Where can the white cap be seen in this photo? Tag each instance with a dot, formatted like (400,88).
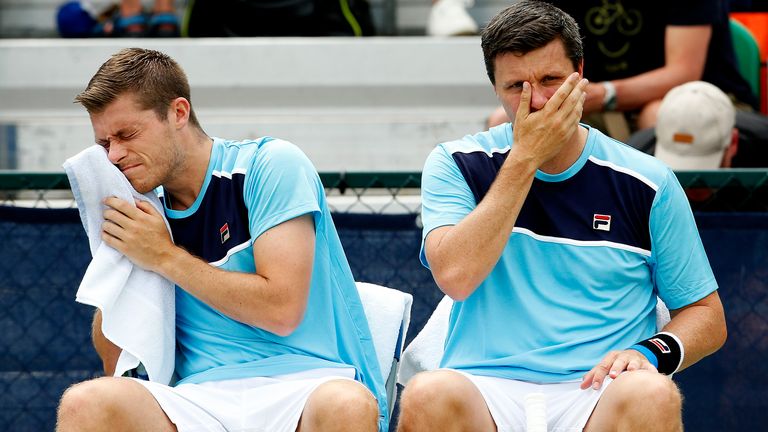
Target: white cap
(693,126)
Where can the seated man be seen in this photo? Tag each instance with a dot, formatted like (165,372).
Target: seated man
(699,129)
(270,331)
(554,241)
(636,51)
(695,128)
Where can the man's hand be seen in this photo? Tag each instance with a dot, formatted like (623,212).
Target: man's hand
(543,133)
(137,232)
(613,364)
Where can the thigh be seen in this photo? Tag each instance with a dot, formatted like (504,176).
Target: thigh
(272,404)
(566,407)
(120,403)
(630,398)
(191,407)
(444,400)
(340,402)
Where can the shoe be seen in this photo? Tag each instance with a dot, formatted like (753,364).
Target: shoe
(119,26)
(450,18)
(133,26)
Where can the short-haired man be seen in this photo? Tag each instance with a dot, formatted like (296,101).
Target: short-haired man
(695,128)
(555,241)
(270,331)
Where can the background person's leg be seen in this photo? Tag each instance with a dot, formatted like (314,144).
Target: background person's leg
(443,401)
(640,400)
(114,404)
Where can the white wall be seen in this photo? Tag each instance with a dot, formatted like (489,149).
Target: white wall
(351,104)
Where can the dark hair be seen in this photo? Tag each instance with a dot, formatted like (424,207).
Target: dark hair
(154,77)
(528,25)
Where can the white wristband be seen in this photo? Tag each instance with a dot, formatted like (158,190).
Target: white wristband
(609,100)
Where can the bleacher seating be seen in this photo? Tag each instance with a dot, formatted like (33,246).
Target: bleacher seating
(352,104)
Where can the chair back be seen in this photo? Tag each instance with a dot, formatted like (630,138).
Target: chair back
(747,53)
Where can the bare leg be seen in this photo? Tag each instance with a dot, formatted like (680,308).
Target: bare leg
(638,401)
(110,404)
(341,406)
(443,401)
(130,7)
(163,6)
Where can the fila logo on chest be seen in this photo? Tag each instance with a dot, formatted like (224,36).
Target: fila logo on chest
(601,222)
(224,232)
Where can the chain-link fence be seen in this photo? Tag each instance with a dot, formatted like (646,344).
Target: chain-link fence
(44,335)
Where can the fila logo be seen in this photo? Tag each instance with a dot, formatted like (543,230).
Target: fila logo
(661,345)
(224,231)
(601,222)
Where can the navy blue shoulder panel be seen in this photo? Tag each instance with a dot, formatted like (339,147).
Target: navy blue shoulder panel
(597,204)
(220,222)
(479,170)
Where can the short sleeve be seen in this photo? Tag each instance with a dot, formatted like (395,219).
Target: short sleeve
(695,12)
(445,196)
(682,272)
(281,184)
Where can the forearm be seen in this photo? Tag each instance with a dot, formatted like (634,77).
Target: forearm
(465,255)
(700,327)
(635,92)
(246,297)
(685,54)
(107,351)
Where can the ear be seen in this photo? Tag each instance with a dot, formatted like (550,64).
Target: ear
(581,68)
(731,150)
(179,112)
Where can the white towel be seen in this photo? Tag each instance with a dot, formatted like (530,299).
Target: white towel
(389,313)
(138,306)
(426,350)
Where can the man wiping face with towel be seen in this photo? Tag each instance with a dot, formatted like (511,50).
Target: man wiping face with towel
(270,331)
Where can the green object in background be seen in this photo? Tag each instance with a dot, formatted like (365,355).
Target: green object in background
(747,53)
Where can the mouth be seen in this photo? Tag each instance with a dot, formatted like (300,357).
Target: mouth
(127,168)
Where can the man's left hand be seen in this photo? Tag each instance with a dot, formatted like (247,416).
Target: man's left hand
(613,364)
(137,232)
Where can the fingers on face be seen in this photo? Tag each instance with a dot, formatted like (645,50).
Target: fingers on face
(524,108)
(562,94)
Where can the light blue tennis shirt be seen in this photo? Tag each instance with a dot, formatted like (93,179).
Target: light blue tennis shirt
(591,249)
(250,187)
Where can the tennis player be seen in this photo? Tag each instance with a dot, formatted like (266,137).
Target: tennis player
(555,241)
(270,331)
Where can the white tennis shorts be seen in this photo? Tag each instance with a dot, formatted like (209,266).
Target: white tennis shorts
(258,404)
(567,406)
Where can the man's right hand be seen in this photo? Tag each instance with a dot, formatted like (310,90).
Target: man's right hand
(540,135)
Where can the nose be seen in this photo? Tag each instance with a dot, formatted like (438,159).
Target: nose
(116,152)
(538,98)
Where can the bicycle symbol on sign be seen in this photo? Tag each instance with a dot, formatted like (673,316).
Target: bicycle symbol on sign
(600,18)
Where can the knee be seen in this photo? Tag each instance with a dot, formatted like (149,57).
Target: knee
(432,392)
(348,402)
(650,388)
(81,404)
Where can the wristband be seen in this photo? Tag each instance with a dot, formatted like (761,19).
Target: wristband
(664,350)
(609,100)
